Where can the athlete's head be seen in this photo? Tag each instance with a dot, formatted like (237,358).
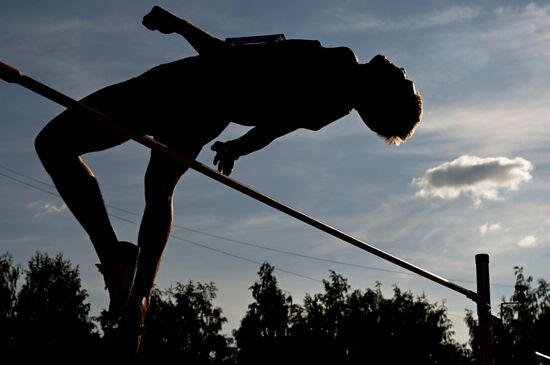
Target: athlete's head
(390,107)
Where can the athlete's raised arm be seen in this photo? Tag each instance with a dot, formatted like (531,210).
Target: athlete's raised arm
(168,23)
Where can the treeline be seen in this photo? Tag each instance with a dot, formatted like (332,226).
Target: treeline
(47,318)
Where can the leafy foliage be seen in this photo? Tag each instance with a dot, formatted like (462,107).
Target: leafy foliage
(184,324)
(340,325)
(50,317)
(264,329)
(9,274)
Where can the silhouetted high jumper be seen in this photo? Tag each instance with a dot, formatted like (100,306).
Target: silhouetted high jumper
(275,86)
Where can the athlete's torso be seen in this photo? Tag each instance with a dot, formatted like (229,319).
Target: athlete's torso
(289,81)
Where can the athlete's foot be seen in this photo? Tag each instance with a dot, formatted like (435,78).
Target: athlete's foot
(118,273)
(132,324)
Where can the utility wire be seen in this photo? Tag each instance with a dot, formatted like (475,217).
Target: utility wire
(20,181)
(249,244)
(137,224)
(271,248)
(219,251)
(216,236)
(193,230)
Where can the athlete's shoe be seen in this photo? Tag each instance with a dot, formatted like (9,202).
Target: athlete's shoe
(118,274)
(132,324)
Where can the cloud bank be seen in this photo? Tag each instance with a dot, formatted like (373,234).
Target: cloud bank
(479,178)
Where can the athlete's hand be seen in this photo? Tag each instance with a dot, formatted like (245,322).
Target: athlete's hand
(161,20)
(225,157)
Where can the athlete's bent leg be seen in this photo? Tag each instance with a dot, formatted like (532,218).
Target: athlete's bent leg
(161,178)
(59,146)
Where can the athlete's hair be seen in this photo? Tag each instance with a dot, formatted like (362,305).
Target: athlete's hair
(390,107)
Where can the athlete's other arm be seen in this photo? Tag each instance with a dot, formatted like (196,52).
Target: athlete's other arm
(255,139)
(167,23)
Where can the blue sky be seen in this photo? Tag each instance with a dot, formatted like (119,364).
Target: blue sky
(473,179)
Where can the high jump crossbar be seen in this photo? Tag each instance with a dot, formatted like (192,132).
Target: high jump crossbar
(12,75)
(482,298)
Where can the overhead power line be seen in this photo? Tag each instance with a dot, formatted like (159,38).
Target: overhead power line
(220,237)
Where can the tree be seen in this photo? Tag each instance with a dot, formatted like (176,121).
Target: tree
(421,331)
(51,316)
(183,324)
(9,274)
(264,328)
(318,328)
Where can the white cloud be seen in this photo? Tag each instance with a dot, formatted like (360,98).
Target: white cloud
(489,228)
(47,208)
(480,178)
(528,241)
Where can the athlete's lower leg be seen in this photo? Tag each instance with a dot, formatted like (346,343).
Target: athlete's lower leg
(59,146)
(81,193)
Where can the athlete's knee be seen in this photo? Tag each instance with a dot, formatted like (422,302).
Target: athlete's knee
(51,150)
(44,145)
(161,179)
(157,193)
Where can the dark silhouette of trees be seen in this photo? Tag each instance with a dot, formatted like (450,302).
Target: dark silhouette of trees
(339,326)
(343,326)
(183,324)
(263,334)
(419,330)
(317,329)
(50,319)
(9,274)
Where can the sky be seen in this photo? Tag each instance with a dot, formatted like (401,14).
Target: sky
(475,177)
